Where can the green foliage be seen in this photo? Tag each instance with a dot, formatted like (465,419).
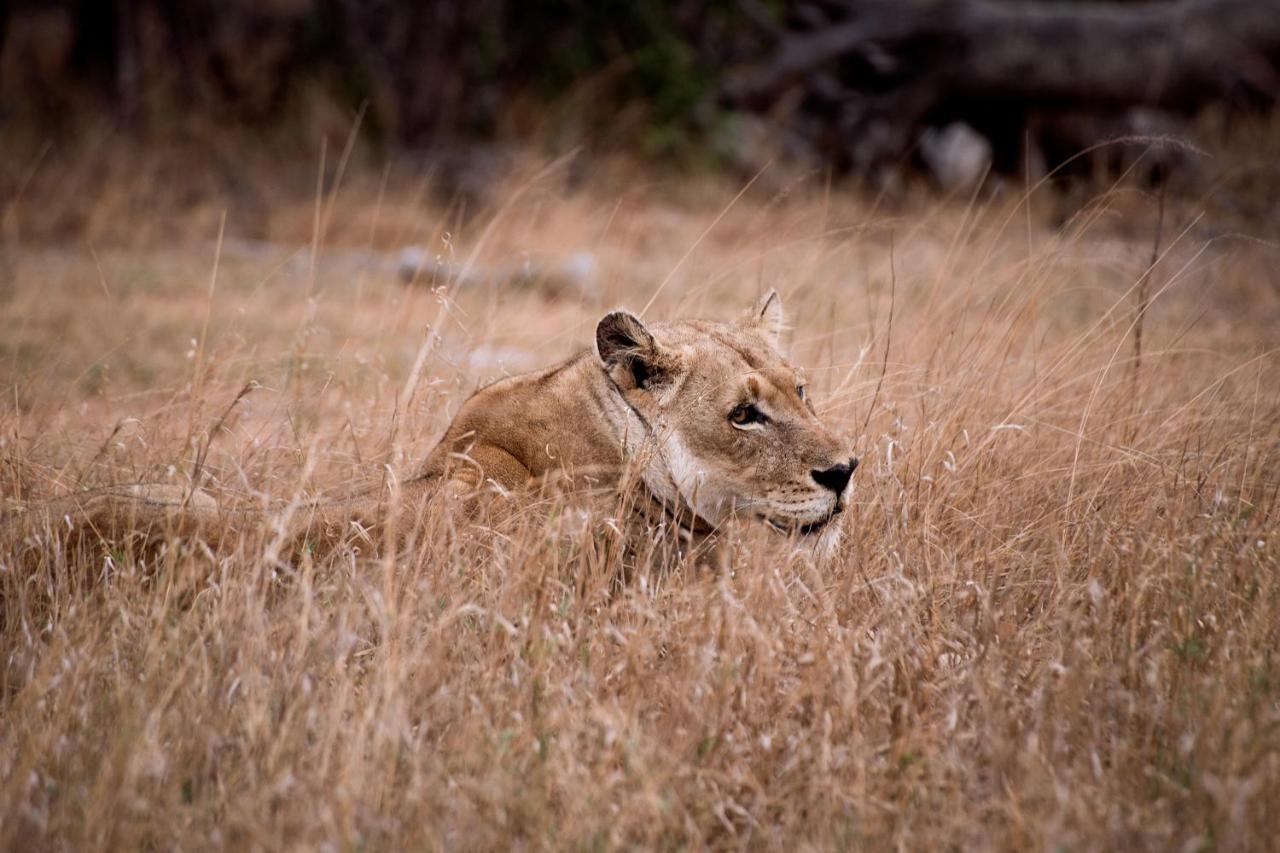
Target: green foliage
(425,69)
(658,55)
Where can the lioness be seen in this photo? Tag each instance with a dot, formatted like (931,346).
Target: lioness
(709,417)
(717,420)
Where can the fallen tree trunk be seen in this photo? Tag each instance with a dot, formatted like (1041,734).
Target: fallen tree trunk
(875,73)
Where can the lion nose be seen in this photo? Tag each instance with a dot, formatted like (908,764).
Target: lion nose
(836,477)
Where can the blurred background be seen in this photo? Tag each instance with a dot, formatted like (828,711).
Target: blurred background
(204,99)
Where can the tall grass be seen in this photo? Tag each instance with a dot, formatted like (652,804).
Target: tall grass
(1052,623)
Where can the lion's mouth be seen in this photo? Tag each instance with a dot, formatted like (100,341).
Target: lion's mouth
(787,527)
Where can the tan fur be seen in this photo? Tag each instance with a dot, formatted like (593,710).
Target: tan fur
(650,406)
(590,417)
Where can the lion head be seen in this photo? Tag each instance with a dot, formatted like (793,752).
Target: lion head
(731,428)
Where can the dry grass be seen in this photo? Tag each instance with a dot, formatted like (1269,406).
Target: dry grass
(1052,626)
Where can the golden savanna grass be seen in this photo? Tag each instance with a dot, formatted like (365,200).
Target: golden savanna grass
(1053,622)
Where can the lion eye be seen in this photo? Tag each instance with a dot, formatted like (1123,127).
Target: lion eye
(800,391)
(746,414)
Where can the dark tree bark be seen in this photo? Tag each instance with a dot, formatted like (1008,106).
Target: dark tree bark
(878,71)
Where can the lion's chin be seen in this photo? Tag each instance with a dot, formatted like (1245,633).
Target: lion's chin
(789,527)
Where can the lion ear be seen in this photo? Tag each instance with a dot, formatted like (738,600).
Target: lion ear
(627,350)
(768,318)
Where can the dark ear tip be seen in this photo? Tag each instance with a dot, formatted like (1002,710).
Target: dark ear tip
(623,341)
(770,302)
(620,330)
(614,321)
(609,329)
